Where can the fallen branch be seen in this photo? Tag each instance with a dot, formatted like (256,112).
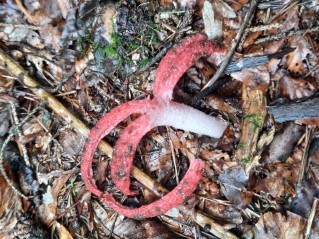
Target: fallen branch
(286,34)
(308,109)
(9,64)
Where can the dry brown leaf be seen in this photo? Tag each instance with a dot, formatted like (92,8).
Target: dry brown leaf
(10,206)
(108,18)
(275,225)
(47,211)
(157,230)
(279,182)
(123,227)
(233,182)
(237,5)
(301,57)
(256,78)
(309,121)
(223,212)
(62,231)
(71,142)
(64,7)
(219,103)
(166,3)
(293,89)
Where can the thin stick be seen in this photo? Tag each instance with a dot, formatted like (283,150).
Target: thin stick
(287,34)
(158,56)
(24,26)
(29,115)
(3,171)
(221,69)
(78,125)
(12,133)
(305,161)
(173,155)
(311,217)
(18,131)
(22,8)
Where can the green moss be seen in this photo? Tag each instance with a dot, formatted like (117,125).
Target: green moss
(241,145)
(246,160)
(254,119)
(145,61)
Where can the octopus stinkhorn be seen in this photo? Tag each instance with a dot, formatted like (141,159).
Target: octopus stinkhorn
(160,110)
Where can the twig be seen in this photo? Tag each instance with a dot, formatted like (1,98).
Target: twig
(305,162)
(311,217)
(287,34)
(158,56)
(256,29)
(173,155)
(64,79)
(113,226)
(254,109)
(22,8)
(25,26)
(221,69)
(18,131)
(3,171)
(254,61)
(25,119)
(264,27)
(311,71)
(64,113)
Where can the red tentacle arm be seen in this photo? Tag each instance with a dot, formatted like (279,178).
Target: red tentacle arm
(177,61)
(174,198)
(103,128)
(124,151)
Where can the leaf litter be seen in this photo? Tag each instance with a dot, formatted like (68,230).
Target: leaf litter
(258,180)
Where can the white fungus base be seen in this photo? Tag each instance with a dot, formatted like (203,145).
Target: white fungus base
(187,118)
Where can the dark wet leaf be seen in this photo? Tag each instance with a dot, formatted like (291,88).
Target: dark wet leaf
(156,230)
(4,122)
(71,141)
(233,181)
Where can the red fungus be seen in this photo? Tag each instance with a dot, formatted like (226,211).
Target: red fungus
(156,112)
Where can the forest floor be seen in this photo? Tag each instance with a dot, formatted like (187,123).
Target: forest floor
(64,65)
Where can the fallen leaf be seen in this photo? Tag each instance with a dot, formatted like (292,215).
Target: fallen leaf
(47,211)
(156,230)
(275,225)
(10,206)
(108,18)
(71,142)
(123,227)
(293,89)
(166,3)
(64,7)
(213,26)
(62,231)
(279,182)
(233,182)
